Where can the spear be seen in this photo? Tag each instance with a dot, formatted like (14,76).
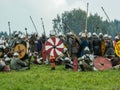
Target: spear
(43,26)
(9,29)
(33,24)
(106,16)
(26,33)
(86,19)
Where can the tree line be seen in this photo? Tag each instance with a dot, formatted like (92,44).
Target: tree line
(75,20)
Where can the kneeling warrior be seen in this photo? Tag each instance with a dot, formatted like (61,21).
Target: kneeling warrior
(86,61)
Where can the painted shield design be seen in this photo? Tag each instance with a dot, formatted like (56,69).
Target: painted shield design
(117,48)
(21,50)
(54,46)
(102,63)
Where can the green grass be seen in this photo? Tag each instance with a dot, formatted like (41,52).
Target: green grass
(40,77)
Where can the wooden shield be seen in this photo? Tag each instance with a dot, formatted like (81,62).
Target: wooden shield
(117,48)
(103,48)
(102,63)
(21,50)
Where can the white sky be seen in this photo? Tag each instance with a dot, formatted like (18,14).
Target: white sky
(18,12)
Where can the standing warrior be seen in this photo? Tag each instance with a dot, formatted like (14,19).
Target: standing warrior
(74,44)
(109,47)
(96,45)
(52,59)
(83,44)
(35,43)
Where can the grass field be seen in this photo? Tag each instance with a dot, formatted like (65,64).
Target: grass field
(40,77)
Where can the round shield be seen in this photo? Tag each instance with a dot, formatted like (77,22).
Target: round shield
(102,63)
(21,50)
(117,48)
(54,46)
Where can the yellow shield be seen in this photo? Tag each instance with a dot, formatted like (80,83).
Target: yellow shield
(21,50)
(117,48)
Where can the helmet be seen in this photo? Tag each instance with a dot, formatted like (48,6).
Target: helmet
(94,34)
(89,34)
(116,37)
(105,36)
(70,33)
(60,34)
(100,34)
(83,35)
(16,54)
(65,49)
(86,50)
(110,37)
(80,33)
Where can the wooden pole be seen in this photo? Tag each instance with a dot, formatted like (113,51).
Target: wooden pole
(33,24)
(43,27)
(9,30)
(86,19)
(106,14)
(26,34)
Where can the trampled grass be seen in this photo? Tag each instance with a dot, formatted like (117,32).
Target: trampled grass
(40,77)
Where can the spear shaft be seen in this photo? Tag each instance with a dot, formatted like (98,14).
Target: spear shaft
(43,27)
(33,24)
(9,29)
(86,19)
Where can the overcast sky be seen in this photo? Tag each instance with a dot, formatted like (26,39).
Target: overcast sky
(18,12)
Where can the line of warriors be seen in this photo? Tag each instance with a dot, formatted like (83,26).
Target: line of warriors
(83,48)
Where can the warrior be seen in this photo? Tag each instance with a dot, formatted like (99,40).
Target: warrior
(31,41)
(109,47)
(52,59)
(68,45)
(2,46)
(61,37)
(96,45)
(86,61)
(17,64)
(115,40)
(37,59)
(2,65)
(13,41)
(74,44)
(2,42)
(83,44)
(68,63)
(43,39)
(35,43)
(90,45)
(38,44)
